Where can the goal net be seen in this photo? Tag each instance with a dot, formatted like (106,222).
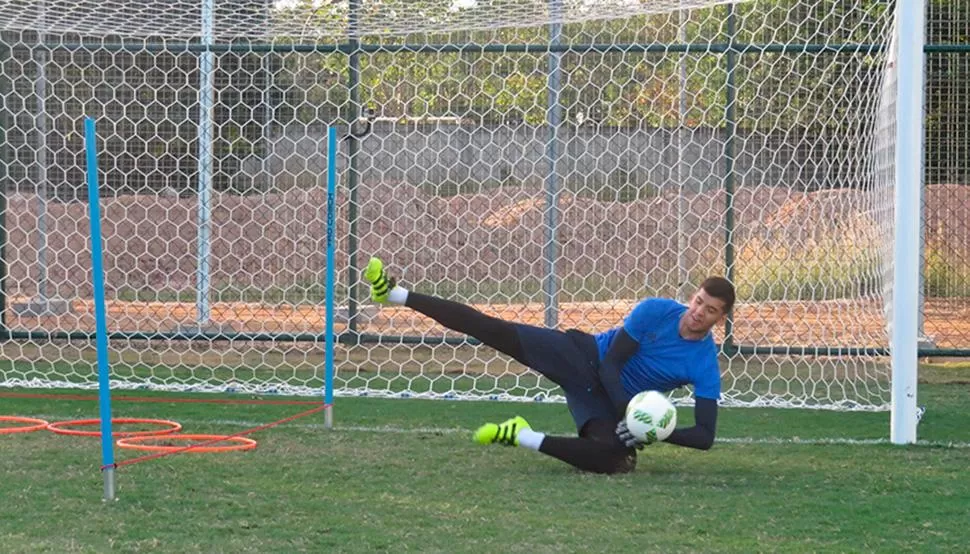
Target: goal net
(551,162)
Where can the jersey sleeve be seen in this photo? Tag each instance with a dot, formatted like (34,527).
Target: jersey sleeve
(708,381)
(644,318)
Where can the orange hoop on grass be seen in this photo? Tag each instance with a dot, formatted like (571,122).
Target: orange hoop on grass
(35,425)
(57,427)
(136,443)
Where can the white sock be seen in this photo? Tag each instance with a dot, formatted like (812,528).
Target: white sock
(531,439)
(398,295)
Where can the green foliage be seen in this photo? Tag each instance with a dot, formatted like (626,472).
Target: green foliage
(620,185)
(449,188)
(945,276)
(838,264)
(614,88)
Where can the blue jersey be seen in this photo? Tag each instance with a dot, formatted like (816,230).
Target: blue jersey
(665,361)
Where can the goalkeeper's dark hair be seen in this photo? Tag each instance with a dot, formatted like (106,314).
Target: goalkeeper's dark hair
(722,289)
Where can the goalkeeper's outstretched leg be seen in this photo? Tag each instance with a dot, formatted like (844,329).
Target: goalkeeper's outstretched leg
(567,358)
(492,331)
(661,345)
(596,449)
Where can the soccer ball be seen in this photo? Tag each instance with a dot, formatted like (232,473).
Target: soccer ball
(650,416)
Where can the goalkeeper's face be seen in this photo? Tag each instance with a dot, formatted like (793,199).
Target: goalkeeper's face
(703,312)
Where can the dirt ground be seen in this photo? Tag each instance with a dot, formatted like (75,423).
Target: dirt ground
(150,243)
(830,323)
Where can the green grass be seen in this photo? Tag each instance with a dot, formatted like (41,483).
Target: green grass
(364,488)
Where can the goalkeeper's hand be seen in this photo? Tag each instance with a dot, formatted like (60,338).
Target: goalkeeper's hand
(626,437)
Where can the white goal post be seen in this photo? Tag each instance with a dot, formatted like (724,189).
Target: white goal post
(908,72)
(549,161)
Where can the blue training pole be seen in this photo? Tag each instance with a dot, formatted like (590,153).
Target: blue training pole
(331,231)
(101,328)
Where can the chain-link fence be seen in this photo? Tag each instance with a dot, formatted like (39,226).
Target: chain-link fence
(946,225)
(551,162)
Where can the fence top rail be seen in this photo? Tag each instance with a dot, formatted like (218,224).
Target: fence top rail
(465,48)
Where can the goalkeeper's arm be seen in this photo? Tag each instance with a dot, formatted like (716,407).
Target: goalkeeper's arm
(621,349)
(701,435)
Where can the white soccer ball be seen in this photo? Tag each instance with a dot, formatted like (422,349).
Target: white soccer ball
(650,416)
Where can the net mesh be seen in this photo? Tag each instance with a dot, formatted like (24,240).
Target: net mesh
(312,19)
(548,162)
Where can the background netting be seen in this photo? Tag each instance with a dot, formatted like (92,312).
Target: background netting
(315,20)
(549,162)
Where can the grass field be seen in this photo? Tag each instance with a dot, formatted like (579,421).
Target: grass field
(403,475)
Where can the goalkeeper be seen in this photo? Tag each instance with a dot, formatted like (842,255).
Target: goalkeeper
(662,345)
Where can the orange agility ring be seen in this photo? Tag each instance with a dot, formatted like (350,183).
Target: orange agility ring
(59,427)
(34,425)
(137,443)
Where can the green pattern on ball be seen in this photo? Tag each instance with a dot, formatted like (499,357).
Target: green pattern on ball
(643,417)
(665,420)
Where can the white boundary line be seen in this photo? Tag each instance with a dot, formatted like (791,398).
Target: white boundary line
(389,429)
(835,441)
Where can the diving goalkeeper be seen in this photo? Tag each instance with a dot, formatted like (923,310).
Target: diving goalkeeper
(661,345)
